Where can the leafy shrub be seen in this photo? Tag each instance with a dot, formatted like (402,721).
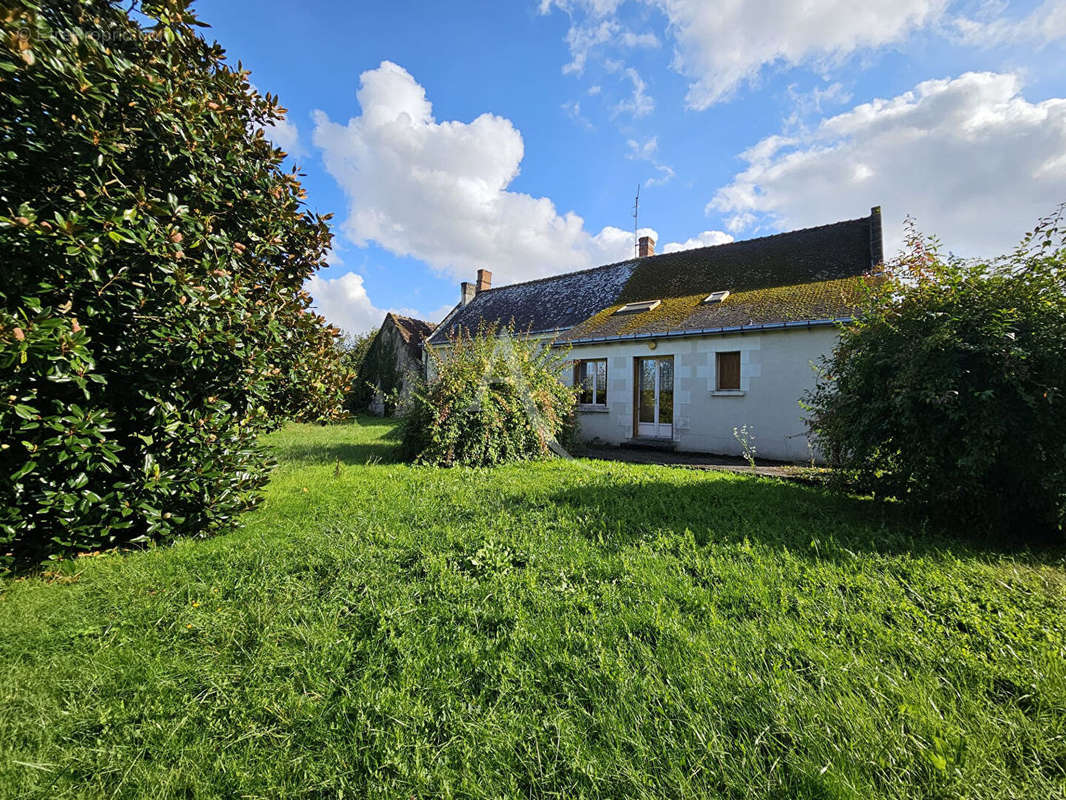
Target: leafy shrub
(354,350)
(379,373)
(494,398)
(949,391)
(152,321)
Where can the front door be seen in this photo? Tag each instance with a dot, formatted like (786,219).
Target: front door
(655,397)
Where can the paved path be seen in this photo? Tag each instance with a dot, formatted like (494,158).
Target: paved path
(769,469)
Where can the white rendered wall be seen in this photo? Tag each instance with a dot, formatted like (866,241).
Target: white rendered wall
(776,370)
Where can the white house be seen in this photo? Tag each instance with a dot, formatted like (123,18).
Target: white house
(677,350)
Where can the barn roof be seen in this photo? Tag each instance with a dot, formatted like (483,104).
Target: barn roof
(414,331)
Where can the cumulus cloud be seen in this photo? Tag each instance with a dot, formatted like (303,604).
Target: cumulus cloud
(438,191)
(286,135)
(343,301)
(705,239)
(724,44)
(971,158)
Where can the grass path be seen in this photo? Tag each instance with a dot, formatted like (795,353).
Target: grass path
(564,629)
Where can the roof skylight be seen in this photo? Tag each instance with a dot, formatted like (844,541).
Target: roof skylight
(643,305)
(716,297)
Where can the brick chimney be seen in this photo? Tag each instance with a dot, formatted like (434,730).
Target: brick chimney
(645,247)
(484,280)
(467,290)
(877,251)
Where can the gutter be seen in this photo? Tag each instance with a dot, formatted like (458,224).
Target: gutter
(766,326)
(547,331)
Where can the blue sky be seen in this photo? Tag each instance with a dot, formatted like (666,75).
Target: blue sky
(512,135)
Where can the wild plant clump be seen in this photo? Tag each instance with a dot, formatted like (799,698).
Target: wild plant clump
(950,390)
(152,317)
(493,399)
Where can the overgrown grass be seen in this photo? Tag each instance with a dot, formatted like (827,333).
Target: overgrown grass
(564,629)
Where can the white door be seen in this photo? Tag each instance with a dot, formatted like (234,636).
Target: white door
(655,397)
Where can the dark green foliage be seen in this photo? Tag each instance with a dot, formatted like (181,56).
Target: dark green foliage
(380,373)
(354,349)
(951,389)
(152,320)
(554,629)
(493,398)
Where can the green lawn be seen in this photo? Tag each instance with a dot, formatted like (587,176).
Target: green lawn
(564,629)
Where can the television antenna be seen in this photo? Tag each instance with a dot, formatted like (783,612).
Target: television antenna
(636,219)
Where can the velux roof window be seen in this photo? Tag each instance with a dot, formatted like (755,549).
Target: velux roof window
(643,305)
(716,297)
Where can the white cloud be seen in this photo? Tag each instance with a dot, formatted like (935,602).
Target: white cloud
(972,159)
(1045,24)
(705,239)
(573,110)
(816,100)
(584,39)
(344,302)
(437,191)
(286,135)
(645,151)
(648,152)
(640,104)
(724,44)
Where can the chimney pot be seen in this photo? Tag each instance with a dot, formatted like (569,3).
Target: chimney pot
(645,247)
(467,290)
(484,280)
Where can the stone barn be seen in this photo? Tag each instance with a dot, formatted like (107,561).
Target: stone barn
(393,364)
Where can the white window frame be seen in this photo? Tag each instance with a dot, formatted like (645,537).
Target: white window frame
(579,365)
(641,305)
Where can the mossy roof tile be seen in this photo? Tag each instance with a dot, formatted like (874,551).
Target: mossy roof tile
(807,274)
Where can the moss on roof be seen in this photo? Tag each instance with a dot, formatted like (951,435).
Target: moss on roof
(831,299)
(800,275)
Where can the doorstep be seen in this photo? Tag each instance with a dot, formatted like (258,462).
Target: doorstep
(649,443)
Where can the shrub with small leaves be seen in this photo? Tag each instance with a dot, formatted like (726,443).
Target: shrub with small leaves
(950,389)
(495,397)
(152,317)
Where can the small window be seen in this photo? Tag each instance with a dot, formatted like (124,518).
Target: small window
(716,297)
(643,305)
(590,377)
(728,371)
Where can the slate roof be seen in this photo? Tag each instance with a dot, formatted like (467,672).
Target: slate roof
(548,304)
(809,274)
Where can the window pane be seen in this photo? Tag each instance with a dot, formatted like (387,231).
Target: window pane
(666,391)
(647,390)
(601,383)
(586,382)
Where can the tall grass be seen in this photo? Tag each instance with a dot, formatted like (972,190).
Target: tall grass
(558,629)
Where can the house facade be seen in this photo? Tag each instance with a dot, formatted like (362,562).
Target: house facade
(680,349)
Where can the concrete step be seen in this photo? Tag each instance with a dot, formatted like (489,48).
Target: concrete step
(646,443)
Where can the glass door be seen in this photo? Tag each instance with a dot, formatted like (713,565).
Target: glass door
(655,397)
